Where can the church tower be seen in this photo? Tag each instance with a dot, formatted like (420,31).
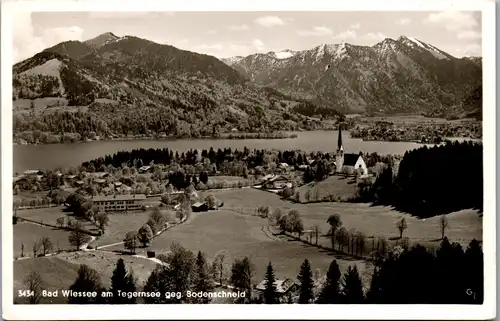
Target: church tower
(340,152)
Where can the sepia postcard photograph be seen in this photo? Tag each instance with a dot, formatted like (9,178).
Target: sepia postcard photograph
(264,159)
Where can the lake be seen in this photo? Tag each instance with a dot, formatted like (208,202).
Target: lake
(65,155)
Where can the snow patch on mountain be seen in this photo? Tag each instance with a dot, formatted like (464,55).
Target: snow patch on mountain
(232,60)
(285,54)
(417,42)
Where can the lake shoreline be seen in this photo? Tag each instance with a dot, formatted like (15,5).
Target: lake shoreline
(229,136)
(73,154)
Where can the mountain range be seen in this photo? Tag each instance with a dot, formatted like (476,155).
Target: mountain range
(128,85)
(133,86)
(402,75)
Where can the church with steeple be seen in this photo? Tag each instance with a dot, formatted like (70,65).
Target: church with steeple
(348,163)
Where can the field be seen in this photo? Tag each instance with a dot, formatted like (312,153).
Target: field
(338,186)
(30,195)
(234,229)
(242,235)
(122,223)
(27,234)
(50,215)
(463,226)
(58,273)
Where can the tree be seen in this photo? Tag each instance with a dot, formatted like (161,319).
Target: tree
(242,273)
(219,267)
(46,244)
(36,248)
(342,238)
(157,282)
(88,280)
(331,290)
(474,267)
(122,281)
(210,201)
(60,222)
(352,287)
(77,237)
(202,281)
(285,224)
(204,177)
(360,242)
(306,283)
(277,214)
(130,241)
(443,224)
(102,219)
(295,221)
(157,217)
(270,291)
(335,222)
(35,286)
(145,235)
(316,232)
(179,270)
(166,199)
(401,226)
(308,195)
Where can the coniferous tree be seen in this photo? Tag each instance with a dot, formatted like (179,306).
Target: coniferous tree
(202,281)
(474,272)
(306,283)
(331,290)
(88,280)
(352,287)
(375,293)
(270,291)
(121,281)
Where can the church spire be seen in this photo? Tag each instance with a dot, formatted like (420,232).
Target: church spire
(340,147)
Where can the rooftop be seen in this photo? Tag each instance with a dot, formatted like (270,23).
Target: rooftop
(281,285)
(119,197)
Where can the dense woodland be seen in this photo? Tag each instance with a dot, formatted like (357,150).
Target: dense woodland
(432,181)
(111,120)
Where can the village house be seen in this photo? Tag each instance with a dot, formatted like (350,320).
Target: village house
(115,203)
(199,207)
(144,169)
(277,182)
(349,163)
(32,172)
(285,288)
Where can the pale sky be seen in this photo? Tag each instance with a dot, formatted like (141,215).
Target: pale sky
(226,34)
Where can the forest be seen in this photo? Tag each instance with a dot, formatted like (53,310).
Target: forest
(432,181)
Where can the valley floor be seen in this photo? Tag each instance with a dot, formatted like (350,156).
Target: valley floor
(235,229)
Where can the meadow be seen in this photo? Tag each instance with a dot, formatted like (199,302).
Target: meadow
(27,234)
(122,223)
(58,273)
(336,186)
(378,221)
(49,215)
(242,235)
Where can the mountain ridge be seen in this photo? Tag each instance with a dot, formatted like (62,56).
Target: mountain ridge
(133,86)
(394,75)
